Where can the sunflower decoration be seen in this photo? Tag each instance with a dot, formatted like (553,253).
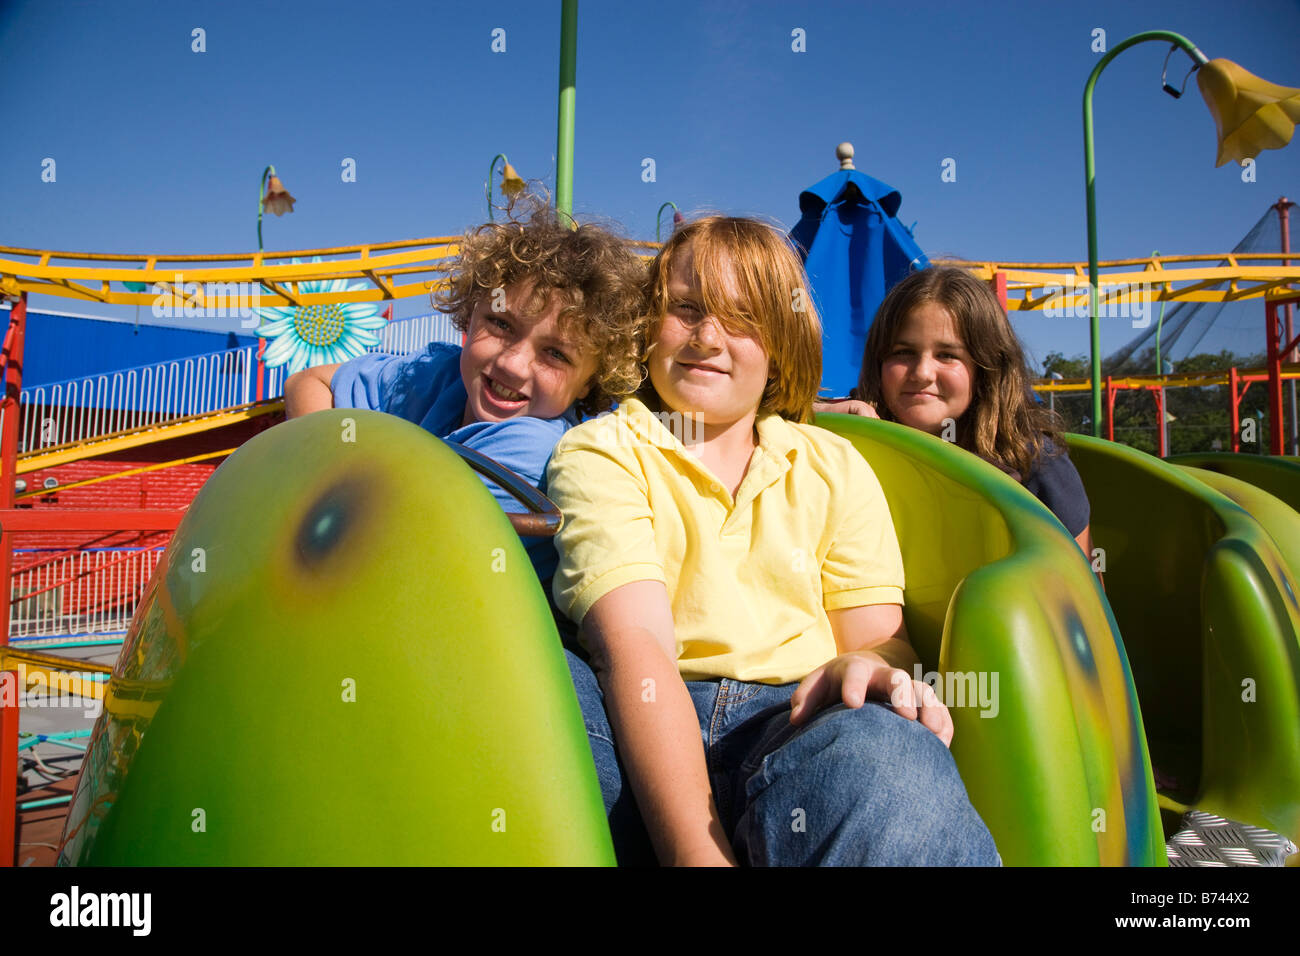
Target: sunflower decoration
(309,335)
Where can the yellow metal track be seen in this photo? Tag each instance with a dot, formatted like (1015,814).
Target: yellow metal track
(390,270)
(1172,380)
(1063,285)
(410,267)
(144,435)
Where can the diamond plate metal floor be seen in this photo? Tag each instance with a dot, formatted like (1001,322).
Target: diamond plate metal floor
(1206,840)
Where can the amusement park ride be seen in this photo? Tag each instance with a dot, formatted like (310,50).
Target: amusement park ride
(996,572)
(1154,719)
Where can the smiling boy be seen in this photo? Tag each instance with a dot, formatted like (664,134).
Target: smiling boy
(741,597)
(551,317)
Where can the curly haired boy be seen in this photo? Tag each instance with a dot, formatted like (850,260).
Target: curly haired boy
(552,318)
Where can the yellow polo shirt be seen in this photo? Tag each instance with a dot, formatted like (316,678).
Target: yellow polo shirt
(750,578)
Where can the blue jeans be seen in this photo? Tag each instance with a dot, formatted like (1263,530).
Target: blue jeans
(852,787)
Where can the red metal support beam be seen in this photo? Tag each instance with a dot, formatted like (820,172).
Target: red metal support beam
(1246,381)
(1280,343)
(1290,340)
(1234,411)
(13,359)
(999,284)
(1158,393)
(1283,207)
(261,367)
(1274,380)
(9,691)
(79,519)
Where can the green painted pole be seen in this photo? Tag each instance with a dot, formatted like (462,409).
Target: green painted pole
(261,197)
(1089,172)
(568,107)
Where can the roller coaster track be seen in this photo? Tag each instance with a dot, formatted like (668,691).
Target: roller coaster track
(410,267)
(389,270)
(1031,286)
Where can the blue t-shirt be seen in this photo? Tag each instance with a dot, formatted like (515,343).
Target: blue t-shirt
(426,388)
(1056,483)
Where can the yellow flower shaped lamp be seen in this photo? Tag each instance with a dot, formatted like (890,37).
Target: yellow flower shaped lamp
(1250,114)
(512,184)
(277,198)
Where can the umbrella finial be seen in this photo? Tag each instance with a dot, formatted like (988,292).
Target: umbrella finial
(844,153)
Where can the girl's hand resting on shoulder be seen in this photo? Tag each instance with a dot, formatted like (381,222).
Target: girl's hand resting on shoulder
(857,675)
(846,406)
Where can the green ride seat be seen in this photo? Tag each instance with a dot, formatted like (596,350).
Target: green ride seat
(996,585)
(1275,516)
(343,658)
(326,669)
(1206,599)
(1279,475)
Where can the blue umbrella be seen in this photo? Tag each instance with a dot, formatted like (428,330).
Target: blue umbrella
(854,251)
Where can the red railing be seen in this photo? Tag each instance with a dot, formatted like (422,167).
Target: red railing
(1278,346)
(16,520)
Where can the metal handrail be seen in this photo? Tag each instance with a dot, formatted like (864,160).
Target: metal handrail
(86,407)
(543,518)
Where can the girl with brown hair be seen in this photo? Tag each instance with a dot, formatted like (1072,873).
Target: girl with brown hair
(942,357)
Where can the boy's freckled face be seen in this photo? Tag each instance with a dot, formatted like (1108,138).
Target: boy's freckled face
(698,366)
(928,375)
(515,364)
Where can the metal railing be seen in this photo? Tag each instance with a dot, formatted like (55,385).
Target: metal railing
(83,408)
(410,335)
(89,592)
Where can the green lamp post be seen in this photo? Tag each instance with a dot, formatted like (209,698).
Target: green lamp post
(1250,114)
(512,184)
(678,218)
(271,197)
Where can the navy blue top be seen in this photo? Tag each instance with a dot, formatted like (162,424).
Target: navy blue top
(1056,483)
(426,388)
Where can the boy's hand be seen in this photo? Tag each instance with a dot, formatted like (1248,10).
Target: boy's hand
(857,675)
(846,406)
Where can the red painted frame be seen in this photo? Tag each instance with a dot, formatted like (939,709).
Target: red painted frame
(13,520)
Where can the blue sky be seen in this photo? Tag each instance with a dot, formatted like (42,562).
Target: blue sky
(159,149)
